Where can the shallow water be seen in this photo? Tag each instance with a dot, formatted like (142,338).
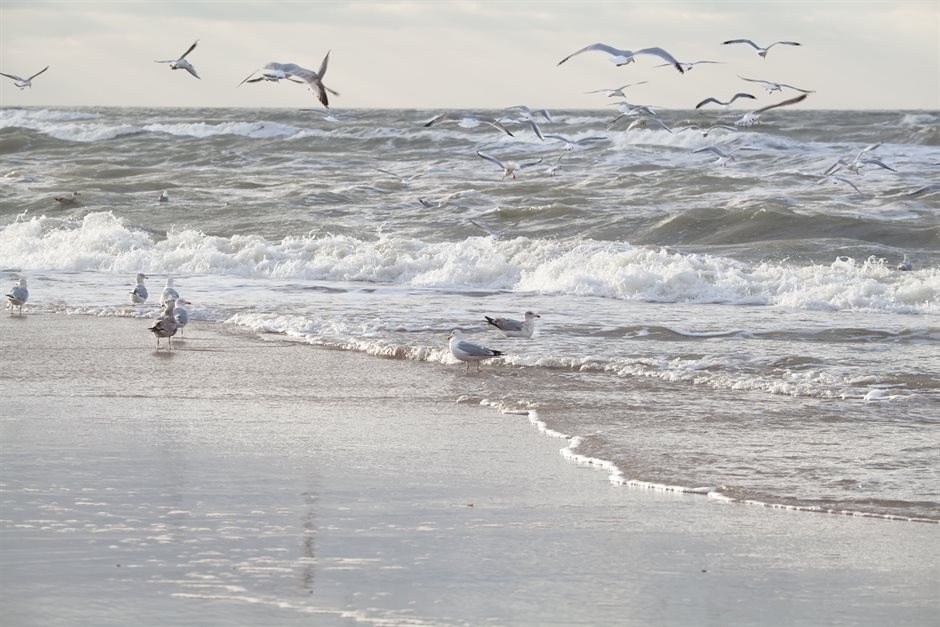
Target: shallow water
(738,331)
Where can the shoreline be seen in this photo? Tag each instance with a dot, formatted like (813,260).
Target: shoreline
(266,481)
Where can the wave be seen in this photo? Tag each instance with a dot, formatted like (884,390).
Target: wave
(100,241)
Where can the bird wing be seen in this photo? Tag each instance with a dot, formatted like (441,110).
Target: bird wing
(878,163)
(740,94)
(662,54)
(190,49)
(755,80)
(529,164)
(13,76)
(483,155)
(614,52)
(786,43)
(805,91)
(707,100)
(323,64)
(535,127)
(36,74)
(505,324)
(799,98)
(475,350)
(742,41)
(713,149)
(189,68)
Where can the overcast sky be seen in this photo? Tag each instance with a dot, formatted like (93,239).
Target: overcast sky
(469,55)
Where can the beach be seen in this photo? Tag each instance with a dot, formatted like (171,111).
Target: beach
(245,479)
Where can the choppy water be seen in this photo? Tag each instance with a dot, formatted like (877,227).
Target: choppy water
(738,331)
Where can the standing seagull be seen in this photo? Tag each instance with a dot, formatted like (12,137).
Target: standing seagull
(467,351)
(180,314)
(515,328)
(291,71)
(18,296)
(23,83)
(623,57)
(169,292)
(166,326)
(761,51)
(182,63)
(139,294)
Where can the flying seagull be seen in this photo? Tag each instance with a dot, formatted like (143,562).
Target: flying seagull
(182,63)
(771,86)
(752,117)
(616,91)
(688,65)
(275,72)
(530,113)
(23,83)
(724,104)
(509,167)
(854,165)
(623,57)
(707,130)
(761,51)
(467,120)
(723,157)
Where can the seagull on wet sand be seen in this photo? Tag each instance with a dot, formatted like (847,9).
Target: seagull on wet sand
(166,326)
(275,72)
(18,296)
(753,117)
(23,83)
(771,86)
(468,351)
(467,120)
(180,314)
(761,51)
(182,63)
(139,294)
(509,167)
(515,328)
(724,104)
(623,57)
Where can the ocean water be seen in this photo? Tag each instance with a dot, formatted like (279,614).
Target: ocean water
(741,331)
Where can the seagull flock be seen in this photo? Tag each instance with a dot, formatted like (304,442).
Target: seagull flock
(174,316)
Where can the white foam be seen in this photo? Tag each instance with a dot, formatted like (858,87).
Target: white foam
(102,242)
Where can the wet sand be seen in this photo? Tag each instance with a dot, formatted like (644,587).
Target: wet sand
(246,481)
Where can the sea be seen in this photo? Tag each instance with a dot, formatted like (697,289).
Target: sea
(735,330)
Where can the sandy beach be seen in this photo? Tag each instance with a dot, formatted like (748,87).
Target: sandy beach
(240,480)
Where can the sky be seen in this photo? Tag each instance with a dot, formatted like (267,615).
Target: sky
(468,54)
